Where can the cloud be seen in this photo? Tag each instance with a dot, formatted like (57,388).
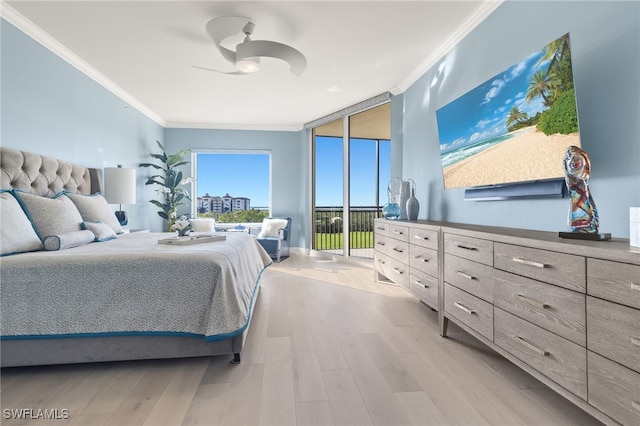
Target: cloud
(518,68)
(497,85)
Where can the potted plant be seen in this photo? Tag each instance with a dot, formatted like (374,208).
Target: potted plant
(171,182)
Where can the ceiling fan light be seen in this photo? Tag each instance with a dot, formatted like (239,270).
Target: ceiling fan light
(248,65)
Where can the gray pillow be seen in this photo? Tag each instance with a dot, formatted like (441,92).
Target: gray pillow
(94,208)
(16,231)
(50,216)
(68,239)
(101,231)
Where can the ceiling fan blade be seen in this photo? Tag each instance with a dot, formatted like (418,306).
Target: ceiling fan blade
(224,27)
(220,72)
(272,49)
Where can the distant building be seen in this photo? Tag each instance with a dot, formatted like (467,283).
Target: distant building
(216,204)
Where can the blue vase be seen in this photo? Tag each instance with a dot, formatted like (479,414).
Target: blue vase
(391,211)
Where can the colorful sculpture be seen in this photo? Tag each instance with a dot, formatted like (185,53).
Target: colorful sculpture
(583,215)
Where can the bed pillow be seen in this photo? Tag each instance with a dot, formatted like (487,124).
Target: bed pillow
(94,208)
(101,231)
(203,225)
(16,231)
(68,239)
(270,227)
(50,216)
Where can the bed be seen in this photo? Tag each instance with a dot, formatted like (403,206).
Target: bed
(120,298)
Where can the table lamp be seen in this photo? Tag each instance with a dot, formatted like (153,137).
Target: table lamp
(120,188)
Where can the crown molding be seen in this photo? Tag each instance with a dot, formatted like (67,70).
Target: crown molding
(29,28)
(487,8)
(233,126)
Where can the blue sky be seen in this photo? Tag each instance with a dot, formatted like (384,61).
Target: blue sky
(481,113)
(247,175)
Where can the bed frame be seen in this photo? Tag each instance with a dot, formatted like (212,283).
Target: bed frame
(47,176)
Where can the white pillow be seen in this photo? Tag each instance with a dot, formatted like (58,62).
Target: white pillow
(50,216)
(270,227)
(94,208)
(101,231)
(68,239)
(203,225)
(16,231)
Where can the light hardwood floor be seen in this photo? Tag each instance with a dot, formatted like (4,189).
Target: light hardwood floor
(327,346)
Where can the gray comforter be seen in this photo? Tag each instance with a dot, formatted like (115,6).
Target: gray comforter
(130,286)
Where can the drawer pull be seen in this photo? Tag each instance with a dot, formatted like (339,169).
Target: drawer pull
(421,285)
(424,259)
(421,237)
(532,302)
(465,247)
(381,228)
(529,262)
(467,276)
(464,308)
(398,232)
(635,341)
(398,250)
(380,243)
(635,286)
(397,271)
(532,347)
(636,405)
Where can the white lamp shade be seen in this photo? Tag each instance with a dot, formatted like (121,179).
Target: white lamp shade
(120,185)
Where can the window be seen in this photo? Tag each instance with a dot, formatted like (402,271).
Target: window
(232,186)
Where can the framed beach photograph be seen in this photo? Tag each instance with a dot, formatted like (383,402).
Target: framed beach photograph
(514,127)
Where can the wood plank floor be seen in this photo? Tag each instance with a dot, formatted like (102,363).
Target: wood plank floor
(327,346)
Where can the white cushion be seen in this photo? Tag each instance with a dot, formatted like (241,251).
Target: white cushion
(203,225)
(102,232)
(94,208)
(50,216)
(270,227)
(16,231)
(68,239)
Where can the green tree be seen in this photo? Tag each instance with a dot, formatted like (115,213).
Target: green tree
(543,84)
(562,117)
(516,116)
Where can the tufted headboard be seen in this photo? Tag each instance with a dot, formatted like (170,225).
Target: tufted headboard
(45,176)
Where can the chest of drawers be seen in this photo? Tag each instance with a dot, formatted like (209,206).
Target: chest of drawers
(566,311)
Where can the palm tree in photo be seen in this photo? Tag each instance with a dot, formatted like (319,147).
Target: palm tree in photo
(543,84)
(516,116)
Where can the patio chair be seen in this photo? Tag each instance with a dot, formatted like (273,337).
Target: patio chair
(274,236)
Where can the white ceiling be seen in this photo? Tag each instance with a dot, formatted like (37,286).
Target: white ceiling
(144,51)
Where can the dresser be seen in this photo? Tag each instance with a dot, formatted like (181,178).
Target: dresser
(565,311)
(406,253)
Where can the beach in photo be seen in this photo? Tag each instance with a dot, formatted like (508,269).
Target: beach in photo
(527,155)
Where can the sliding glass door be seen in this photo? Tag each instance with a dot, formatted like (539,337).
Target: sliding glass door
(350,178)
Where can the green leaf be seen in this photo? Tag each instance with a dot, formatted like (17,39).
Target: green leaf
(149,165)
(163,215)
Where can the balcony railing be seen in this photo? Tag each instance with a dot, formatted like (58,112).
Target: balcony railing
(329,224)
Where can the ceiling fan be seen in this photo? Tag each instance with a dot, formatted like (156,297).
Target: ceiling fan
(248,54)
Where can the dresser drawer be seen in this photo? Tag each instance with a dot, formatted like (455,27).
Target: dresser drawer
(469,310)
(424,286)
(562,361)
(472,277)
(380,227)
(398,250)
(614,389)
(399,232)
(564,270)
(553,308)
(475,249)
(398,272)
(424,259)
(423,237)
(614,331)
(618,282)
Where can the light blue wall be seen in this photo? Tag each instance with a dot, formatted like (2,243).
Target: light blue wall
(48,107)
(605,44)
(287,170)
